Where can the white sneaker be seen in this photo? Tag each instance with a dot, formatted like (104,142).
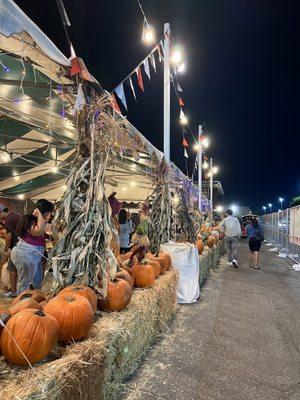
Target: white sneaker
(229,263)
(235,263)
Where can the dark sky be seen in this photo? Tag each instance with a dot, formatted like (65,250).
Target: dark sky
(242,79)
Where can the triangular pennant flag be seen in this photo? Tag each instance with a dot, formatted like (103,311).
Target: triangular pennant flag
(140,78)
(181,103)
(146,67)
(152,61)
(121,94)
(114,104)
(185,142)
(161,43)
(132,88)
(168,35)
(159,53)
(80,99)
(179,87)
(186,153)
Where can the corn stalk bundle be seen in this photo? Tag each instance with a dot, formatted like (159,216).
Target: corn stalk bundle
(82,254)
(197,218)
(160,215)
(185,224)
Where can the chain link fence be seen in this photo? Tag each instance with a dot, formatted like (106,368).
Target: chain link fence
(282,229)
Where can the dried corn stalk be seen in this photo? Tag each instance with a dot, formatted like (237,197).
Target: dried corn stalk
(185,228)
(82,254)
(160,215)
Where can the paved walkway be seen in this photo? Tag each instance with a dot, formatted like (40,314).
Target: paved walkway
(240,342)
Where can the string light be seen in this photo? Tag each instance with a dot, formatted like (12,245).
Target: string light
(176,57)
(196,147)
(6,69)
(21,196)
(133,167)
(205,165)
(215,170)
(64,187)
(5,156)
(175,199)
(124,189)
(148,35)
(219,209)
(55,169)
(181,68)
(205,142)
(133,183)
(183,120)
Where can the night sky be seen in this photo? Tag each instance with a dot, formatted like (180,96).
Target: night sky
(242,80)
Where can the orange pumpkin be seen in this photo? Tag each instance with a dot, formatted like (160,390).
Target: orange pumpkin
(118,296)
(123,259)
(163,264)
(150,256)
(144,275)
(42,304)
(74,315)
(156,266)
(123,274)
(4,315)
(200,246)
(84,291)
(27,302)
(37,295)
(167,258)
(35,332)
(210,242)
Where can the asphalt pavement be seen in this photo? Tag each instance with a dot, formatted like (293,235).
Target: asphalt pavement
(241,341)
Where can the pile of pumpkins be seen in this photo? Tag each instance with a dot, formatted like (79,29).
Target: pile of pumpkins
(208,236)
(33,325)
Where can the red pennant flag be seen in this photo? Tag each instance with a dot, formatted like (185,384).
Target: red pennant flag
(75,67)
(185,142)
(181,102)
(140,78)
(114,104)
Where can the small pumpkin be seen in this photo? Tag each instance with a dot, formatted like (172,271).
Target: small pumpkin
(84,291)
(118,296)
(167,258)
(163,263)
(74,315)
(37,295)
(200,246)
(144,275)
(23,305)
(35,332)
(42,304)
(123,274)
(156,266)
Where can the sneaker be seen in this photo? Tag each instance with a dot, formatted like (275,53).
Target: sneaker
(9,294)
(229,263)
(235,264)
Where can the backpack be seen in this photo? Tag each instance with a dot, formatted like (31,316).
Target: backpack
(259,235)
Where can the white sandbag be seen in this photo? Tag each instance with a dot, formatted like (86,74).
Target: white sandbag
(185,259)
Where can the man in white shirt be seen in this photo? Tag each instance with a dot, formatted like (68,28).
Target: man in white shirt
(232,229)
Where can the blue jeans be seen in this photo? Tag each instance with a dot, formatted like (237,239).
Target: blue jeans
(27,259)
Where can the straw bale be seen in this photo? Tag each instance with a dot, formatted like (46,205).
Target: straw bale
(95,368)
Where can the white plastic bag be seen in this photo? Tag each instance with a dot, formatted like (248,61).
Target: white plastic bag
(185,260)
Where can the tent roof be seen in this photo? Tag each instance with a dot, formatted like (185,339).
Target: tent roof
(37,96)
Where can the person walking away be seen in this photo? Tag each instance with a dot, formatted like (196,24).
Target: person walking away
(125,229)
(232,229)
(254,233)
(28,253)
(11,220)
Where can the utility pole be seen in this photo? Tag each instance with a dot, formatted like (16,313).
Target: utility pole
(167,93)
(200,169)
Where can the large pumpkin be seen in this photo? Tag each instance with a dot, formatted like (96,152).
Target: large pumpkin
(123,274)
(84,291)
(36,334)
(37,295)
(74,315)
(118,296)
(27,302)
(156,266)
(167,258)
(200,246)
(144,275)
(210,242)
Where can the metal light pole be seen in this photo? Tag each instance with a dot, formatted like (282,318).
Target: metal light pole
(281,201)
(211,184)
(167,93)
(200,169)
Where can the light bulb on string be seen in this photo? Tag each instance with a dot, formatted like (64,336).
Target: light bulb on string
(215,170)
(183,120)
(181,68)
(149,36)
(55,169)
(132,183)
(5,156)
(205,165)
(21,196)
(205,142)
(176,57)
(6,69)
(196,147)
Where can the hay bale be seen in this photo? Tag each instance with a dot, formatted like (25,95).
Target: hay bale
(95,368)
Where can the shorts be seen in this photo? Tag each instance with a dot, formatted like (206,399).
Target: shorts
(11,266)
(254,244)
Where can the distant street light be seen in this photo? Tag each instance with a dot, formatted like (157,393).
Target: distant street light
(281,201)
(270,206)
(265,209)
